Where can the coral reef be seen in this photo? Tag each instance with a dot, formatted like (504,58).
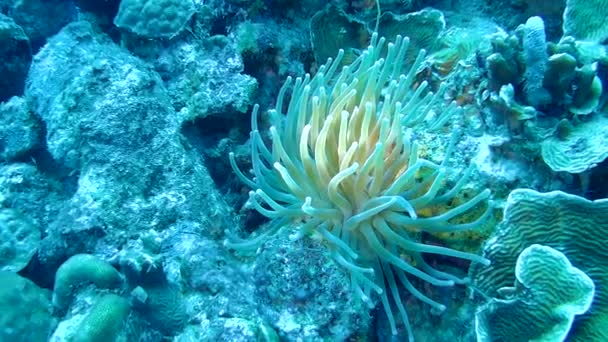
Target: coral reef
(447,186)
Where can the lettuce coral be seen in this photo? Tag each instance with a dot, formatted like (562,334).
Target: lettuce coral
(567,223)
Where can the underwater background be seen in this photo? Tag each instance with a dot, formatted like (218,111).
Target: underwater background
(280,170)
